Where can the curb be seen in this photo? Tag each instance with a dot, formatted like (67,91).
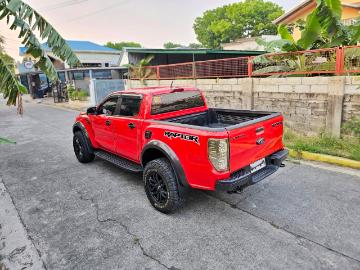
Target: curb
(325,158)
(64,107)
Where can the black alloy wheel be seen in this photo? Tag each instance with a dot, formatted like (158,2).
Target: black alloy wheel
(161,186)
(157,188)
(83,151)
(78,148)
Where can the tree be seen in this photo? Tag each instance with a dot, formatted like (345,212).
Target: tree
(195,46)
(171,45)
(249,18)
(120,45)
(19,15)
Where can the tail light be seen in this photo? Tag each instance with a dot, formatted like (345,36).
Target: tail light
(218,152)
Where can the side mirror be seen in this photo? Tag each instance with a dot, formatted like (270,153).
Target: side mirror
(91,110)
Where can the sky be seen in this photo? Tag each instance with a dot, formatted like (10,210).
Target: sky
(149,22)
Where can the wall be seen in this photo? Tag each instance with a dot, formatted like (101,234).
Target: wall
(351,98)
(99,89)
(310,104)
(82,84)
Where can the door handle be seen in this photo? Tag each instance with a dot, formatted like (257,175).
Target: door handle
(131,125)
(108,122)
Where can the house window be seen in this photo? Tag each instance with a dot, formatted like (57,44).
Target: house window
(62,76)
(80,75)
(101,74)
(91,64)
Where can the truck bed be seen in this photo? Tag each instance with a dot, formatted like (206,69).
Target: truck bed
(221,118)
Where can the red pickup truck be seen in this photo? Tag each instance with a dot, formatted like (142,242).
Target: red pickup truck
(176,141)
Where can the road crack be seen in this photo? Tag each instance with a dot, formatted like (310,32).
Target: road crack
(284,229)
(136,238)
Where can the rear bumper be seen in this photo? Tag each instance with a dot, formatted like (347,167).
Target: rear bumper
(244,177)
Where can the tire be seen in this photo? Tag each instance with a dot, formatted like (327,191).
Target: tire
(161,186)
(82,149)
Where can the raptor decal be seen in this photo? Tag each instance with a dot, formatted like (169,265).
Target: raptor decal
(185,137)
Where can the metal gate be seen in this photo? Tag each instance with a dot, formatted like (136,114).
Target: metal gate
(60,92)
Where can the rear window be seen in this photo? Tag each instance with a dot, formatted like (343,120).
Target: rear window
(176,101)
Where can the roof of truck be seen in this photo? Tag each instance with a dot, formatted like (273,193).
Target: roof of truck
(156,90)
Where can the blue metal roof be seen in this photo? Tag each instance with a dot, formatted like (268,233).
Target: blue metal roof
(78,45)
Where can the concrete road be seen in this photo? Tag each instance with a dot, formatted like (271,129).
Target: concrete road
(96,216)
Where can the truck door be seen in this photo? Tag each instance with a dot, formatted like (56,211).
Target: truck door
(102,123)
(126,126)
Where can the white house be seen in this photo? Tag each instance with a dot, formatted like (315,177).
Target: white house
(248,43)
(90,55)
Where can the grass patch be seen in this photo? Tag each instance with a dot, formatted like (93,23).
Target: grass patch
(348,147)
(6,141)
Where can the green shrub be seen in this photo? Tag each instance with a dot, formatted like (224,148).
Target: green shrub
(77,94)
(323,144)
(352,127)
(82,95)
(71,92)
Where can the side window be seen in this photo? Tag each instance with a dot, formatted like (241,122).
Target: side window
(130,105)
(108,107)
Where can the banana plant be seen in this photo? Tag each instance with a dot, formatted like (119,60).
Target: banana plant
(21,16)
(139,70)
(323,28)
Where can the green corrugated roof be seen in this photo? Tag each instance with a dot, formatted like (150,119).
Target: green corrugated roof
(192,51)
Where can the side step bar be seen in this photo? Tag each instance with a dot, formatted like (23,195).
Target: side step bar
(119,161)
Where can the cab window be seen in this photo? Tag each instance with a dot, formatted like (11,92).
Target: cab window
(171,102)
(108,107)
(130,105)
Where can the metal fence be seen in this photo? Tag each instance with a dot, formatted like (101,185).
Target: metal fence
(99,89)
(339,61)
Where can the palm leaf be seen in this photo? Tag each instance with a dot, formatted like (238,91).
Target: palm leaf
(9,83)
(20,15)
(47,32)
(139,70)
(328,13)
(334,5)
(286,35)
(311,32)
(28,20)
(355,33)
(272,69)
(34,48)
(146,61)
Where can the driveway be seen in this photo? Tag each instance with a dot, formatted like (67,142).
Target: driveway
(96,216)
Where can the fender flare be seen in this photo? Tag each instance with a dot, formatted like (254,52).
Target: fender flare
(84,131)
(171,156)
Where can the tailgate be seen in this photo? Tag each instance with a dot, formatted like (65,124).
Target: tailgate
(249,143)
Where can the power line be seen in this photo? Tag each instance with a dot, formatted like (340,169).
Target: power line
(96,12)
(62,4)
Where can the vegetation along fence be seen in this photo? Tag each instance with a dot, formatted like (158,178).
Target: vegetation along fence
(339,61)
